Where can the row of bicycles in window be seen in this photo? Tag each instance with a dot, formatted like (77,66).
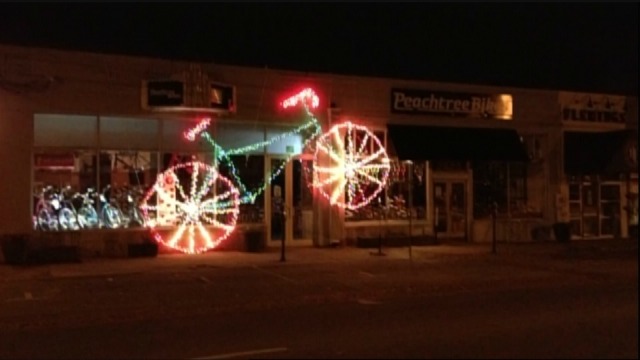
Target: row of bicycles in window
(60,209)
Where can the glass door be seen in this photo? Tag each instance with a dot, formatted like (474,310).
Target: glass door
(441,208)
(575,210)
(457,208)
(302,215)
(590,210)
(277,201)
(595,209)
(290,202)
(450,207)
(610,209)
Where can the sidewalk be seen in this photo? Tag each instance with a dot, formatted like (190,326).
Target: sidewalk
(315,256)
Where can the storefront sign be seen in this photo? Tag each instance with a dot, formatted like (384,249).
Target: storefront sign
(592,107)
(163,93)
(175,95)
(223,97)
(54,161)
(420,102)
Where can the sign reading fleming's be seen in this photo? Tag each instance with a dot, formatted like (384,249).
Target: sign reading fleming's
(411,101)
(592,107)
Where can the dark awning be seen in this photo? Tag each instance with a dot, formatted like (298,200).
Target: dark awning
(600,152)
(412,142)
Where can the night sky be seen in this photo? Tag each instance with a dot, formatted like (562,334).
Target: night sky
(572,46)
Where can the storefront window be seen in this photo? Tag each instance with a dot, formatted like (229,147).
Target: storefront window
(489,186)
(125,177)
(128,168)
(503,183)
(398,191)
(64,186)
(407,179)
(393,203)
(91,172)
(64,171)
(380,206)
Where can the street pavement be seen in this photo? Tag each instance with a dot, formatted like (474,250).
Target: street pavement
(523,252)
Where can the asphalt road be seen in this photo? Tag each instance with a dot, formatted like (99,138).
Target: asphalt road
(542,305)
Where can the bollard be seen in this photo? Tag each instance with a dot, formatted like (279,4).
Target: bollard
(494,211)
(284,233)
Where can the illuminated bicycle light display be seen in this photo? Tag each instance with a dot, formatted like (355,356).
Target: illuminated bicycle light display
(350,166)
(200,127)
(195,205)
(307,97)
(192,208)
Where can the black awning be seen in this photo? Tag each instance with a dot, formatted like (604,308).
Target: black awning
(412,142)
(600,152)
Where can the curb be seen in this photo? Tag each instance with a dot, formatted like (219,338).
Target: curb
(310,256)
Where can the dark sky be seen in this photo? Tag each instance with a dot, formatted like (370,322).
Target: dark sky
(571,46)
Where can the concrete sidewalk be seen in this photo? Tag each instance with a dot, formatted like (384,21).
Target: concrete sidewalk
(316,256)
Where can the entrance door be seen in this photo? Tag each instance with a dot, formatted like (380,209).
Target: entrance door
(290,203)
(595,209)
(302,195)
(450,208)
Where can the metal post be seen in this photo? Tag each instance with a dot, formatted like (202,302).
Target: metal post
(410,203)
(380,233)
(284,233)
(435,224)
(379,253)
(494,210)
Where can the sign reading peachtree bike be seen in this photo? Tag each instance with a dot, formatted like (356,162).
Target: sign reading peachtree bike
(420,102)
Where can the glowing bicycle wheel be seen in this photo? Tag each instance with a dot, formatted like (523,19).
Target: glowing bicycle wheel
(350,166)
(184,199)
